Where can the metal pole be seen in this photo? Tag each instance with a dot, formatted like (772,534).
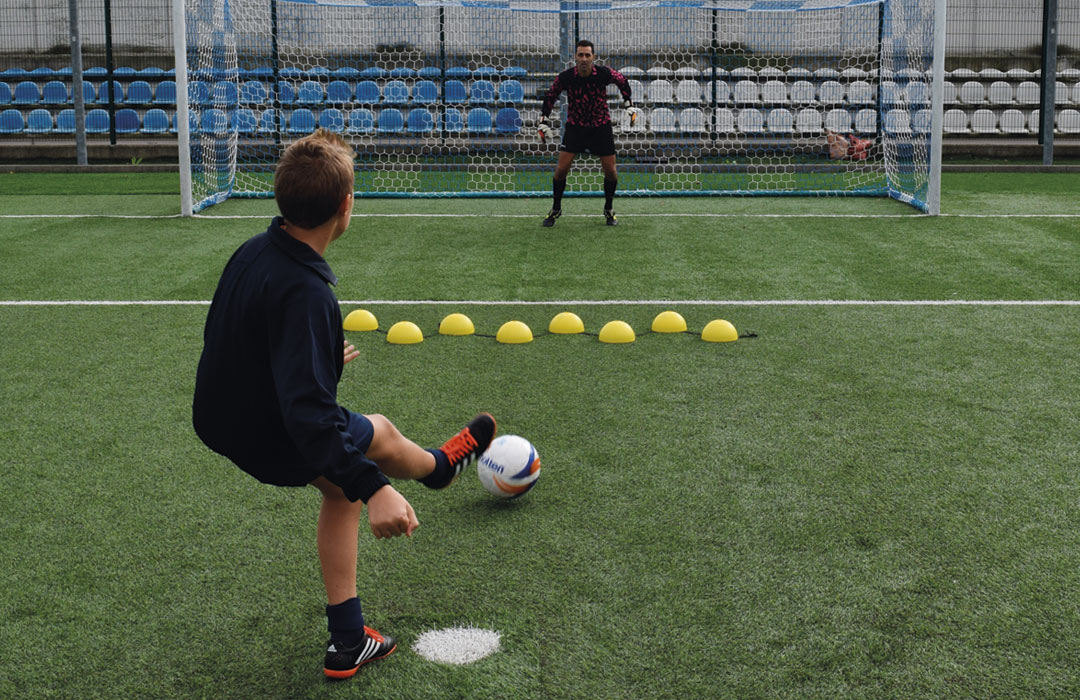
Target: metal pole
(109,72)
(183,133)
(76,83)
(937,100)
(1047,94)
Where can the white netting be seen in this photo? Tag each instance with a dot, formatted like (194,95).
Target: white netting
(441,98)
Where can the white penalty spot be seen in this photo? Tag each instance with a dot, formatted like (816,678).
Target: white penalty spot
(457,645)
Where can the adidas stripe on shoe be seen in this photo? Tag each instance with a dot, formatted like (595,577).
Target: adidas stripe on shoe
(344,662)
(465,447)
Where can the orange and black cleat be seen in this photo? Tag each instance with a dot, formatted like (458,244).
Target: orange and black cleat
(344,662)
(469,444)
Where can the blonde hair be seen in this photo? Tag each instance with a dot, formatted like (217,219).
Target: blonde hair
(313,177)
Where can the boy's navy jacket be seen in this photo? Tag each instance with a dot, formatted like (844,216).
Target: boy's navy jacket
(266,388)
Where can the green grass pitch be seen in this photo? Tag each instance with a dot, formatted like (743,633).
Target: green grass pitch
(862,501)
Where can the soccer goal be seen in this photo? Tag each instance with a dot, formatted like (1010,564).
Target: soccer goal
(441,97)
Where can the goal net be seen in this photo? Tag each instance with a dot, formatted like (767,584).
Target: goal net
(440,98)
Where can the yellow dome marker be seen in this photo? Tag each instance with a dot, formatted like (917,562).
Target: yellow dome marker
(514,332)
(360,320)
(404,333)
(456,324)
(617,332)
(668,322)
(719,331)
(566,323)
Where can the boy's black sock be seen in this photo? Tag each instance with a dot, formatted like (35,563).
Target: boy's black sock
(609,191)
(443,474)
(557,188)
(346,622)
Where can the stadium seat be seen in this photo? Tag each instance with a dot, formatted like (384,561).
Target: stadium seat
(955,121)
(723,92)
(831,92)
(692,120)
(809,121)
(346,73)
(780,121)
(687,73)
(150,73)
(799,73)
(198,93)
(482,92)
(391,121)
(41,73)
(395,92)
(372,73)
(420,121)
(1011,121)
(402,72)
(193,123)
(225,94)
(214,121)
(751,121)
(637,91)
(155,121)
(744,72)
(1068,121)
(339,92)
(629,72)
(429,73)
(838,120)
(301,121)
(746,92)
(688,92)
(508,121)
(425,92)
(802,93)
(1000,93)
(662,120)
(659,73)
(514,72)
(97,121)
(1027,93)
(984,121)
(332,119)
(455,92)
(511,92)
(989,75)
(452,121)
(972,92)
(725,120)
(921,121)
(949,93)
(367,92)
(774,92)
(54,92)
(39,121)
(291,73)
(1033,121)
(917,93)
(361,121)
(853,73)
(26,93)
(11,121)
(95,72)
(898,121)
(866,121)
(127,121)
(458,72)
(860,92)
(824,74)
(770,73)
(271,121)
(310,93)
(165,93)
(1061,93)
(286,93)
(1076,94)
(139,93)
(661,91)
(5,93)
(253,92)
(65,121)
(890,93)
(478,121)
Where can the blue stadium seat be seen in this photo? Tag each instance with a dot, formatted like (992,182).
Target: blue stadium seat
(286,93)
(310,93)
(486,72)
(402,72)
(302,121)
(117,93)
(95,72)
(339,92)
(41,73)
(127,121)
(54,92)
(253,92)
(155,121)
(455,92)
(453,122)
(514,72)
(39,121)
(242,120)
(396,92)
(124,72)
(198,93)
(391,121)
(361,121)
(97,121)
(5,93)
(478,121)
(225,94)
(332,119)
(139,93)
(458,72)
(264,73)
(429,73)
(482,92)
(347,73)
(291,73)
(65,121)
(193,123)
(11,121)
(26,93)
(271,122)
(165,93)
(420,121)
(214,121)
(372,73)
(318,73)
(508,121)
(425,92)
(511,91)
(367,92)
(150,74)
(13,74)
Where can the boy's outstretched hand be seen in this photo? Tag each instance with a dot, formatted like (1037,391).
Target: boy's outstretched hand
(351,353)
(390,514)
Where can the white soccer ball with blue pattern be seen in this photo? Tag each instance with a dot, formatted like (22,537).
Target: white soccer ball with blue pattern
(510,467)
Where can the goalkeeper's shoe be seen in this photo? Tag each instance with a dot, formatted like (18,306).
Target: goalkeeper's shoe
(344,662)
(552,215)
(609,218)
(469,444)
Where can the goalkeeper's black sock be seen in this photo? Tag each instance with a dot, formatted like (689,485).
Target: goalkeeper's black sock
(609,191)
(557,188)
(443,473)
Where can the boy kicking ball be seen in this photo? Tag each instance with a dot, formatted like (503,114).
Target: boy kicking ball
(266,389)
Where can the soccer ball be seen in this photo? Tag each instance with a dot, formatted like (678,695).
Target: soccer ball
(510,467)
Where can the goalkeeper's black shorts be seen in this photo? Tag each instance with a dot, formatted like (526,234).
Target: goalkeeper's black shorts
(597,140)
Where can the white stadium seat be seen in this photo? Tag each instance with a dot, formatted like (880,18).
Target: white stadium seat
(1027,93)
(687,73)
(838,120)
(774,92)
(866,121)
(743,72)
(1076,94)
(860,92)
(853,74)
(1011,121)
(688,92)
(1061,93)
(890,93)
(659,73)
(898,121)
(826,74)
(948,93)
(799,73)
(955,121)
(917,93)
(725,120)
(662,120)
(746,92)
(781,121)
(803,92)
(831,92)
(637,90)
(661,91)
(1019,74)
(962,74)
(1068,121)
(989,75)
(770,72)
(751,121)
(921,121)
(723,92)
(972,93)
(631,72)
(692,120)
(1033,121)
(984,121)
(809,121)
(1000,93)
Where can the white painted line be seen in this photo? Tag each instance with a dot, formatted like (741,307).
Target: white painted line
(589,302)
(457,645)
(672,215)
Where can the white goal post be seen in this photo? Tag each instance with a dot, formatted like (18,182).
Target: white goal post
(440,98)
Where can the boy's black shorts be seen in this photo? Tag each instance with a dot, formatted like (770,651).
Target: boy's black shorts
(597,140)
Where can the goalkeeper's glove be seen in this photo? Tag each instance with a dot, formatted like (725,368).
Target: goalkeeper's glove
(632,111)
(543,130)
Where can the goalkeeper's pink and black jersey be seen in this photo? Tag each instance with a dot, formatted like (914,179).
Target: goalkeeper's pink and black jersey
(586,97)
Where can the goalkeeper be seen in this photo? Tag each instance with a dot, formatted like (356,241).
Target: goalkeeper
(588,123)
